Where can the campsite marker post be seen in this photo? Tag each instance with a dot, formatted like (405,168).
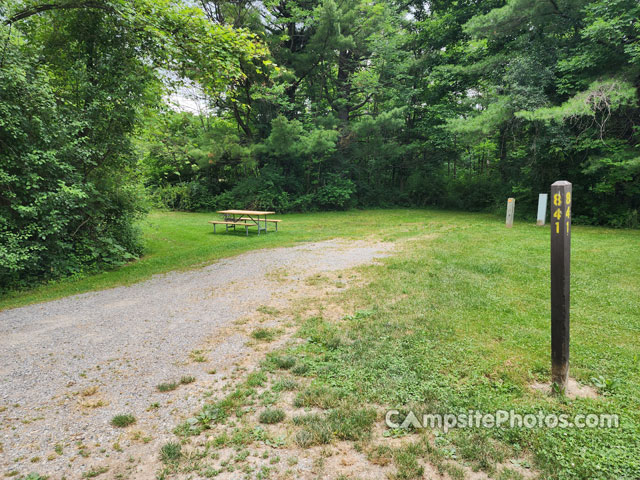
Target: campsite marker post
(560,281)
(542,209)
(511,205)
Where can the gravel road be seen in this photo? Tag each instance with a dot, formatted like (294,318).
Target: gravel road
(68,366)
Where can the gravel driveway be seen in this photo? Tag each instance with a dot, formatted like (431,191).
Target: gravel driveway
(68,366)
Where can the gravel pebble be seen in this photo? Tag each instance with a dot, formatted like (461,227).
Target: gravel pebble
(127,340)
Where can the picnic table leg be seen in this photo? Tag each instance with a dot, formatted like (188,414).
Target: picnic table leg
(246,228)
(214,228)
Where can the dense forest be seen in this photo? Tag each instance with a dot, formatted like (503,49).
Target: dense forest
(304,105)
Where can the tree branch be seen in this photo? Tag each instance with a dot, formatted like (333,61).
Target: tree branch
(55,6)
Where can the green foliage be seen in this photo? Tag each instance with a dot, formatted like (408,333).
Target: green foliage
(170,452)
(74,81)
(123,420)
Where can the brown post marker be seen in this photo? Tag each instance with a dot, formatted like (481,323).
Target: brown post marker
(511,205)
(560,281)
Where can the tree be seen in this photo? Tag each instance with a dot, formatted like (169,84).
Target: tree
(75,77)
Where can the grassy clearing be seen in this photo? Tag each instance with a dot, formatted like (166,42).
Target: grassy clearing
(459,320)
(179,241)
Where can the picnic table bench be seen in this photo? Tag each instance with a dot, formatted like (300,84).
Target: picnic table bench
(246,219)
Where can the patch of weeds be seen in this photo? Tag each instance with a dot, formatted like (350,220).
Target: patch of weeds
(241,456)
(406,461)
(483,452)
(605,385)
(170,452)
(285,384)
(94,472)
(256,379)
(315,280)
(167,386)
(241,437)
(359,315)
(300,369)
(319,396)
(263,473)
(187,379)
(321,332)
(380,455)
(197,356)
(264,334)
(212,472)
(123,420)
(213,371)
(93,403)
(352,424)
(58,449)
(270,416)
(315,431)
(89,391)
(284,362)
(508,474)
(267,310)
(269,397)
(213,413)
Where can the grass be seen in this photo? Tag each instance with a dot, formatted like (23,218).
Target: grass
(181,241)
(460,320)
(170,452)
(123,420)
(95,472)
(457,319)
(272,415)
(264,334)
(167,386)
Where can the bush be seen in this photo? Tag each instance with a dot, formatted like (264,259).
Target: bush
(187,196)
(68,205)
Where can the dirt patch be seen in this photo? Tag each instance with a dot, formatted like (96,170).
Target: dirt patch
(574,389)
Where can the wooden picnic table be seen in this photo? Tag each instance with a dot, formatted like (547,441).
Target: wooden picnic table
(245,218)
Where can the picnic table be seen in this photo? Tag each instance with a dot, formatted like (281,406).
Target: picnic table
(246,219)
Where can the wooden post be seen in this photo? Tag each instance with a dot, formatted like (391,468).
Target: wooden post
(511,205)
(560,281)
(542,209)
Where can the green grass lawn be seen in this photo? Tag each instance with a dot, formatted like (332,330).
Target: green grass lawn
(458,319)
(461,321)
